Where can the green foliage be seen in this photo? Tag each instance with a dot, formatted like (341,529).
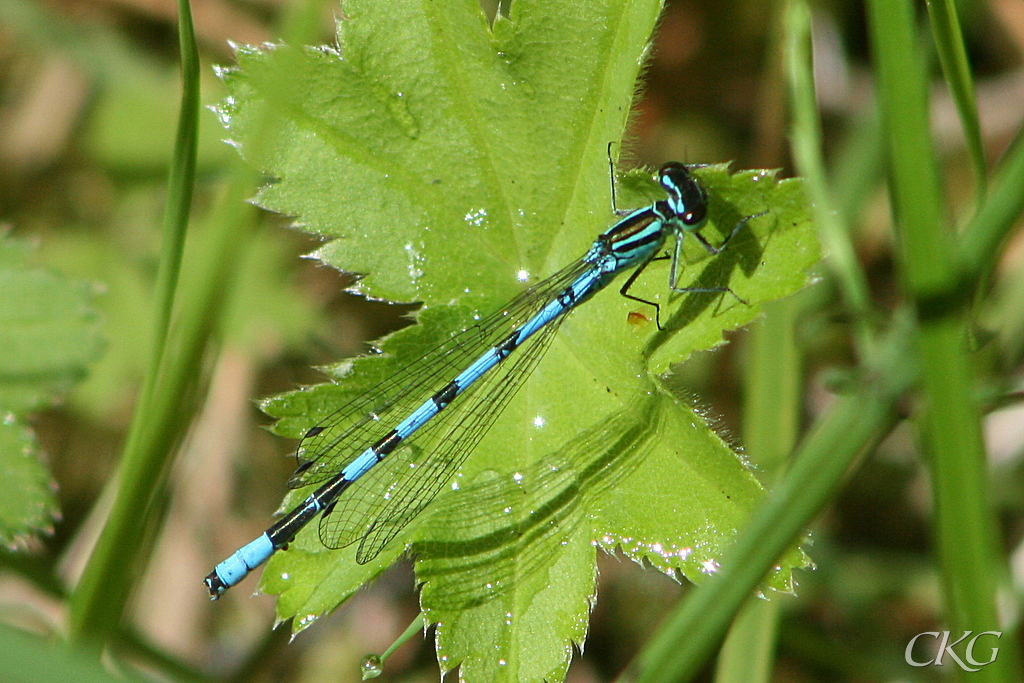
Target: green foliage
(949,421)
(49,333)
(99,598)
(31,659)
(433,132)
(446,161)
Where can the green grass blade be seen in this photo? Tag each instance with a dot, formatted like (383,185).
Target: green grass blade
(771,421)
(903,94)
(981,247)
(805,138)
(997,216)
(748,653)
(858,166)
(772,405)
(949,422)
(99,599)
(851,426)
(949,43)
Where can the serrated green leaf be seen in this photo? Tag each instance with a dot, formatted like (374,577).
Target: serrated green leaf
(449,162)
(28,505)
(48,334)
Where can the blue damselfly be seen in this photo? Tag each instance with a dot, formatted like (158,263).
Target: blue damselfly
(410,434)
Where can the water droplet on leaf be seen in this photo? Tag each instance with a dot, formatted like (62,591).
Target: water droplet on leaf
(371,666)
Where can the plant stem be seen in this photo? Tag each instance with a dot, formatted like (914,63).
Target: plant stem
(98,601)
(948,417)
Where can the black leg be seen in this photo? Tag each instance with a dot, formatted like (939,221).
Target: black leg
(624,291)
(713,250)
(611,179)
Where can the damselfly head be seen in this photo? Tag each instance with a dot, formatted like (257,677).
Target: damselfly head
(686,197)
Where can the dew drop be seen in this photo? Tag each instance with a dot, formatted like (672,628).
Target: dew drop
(476,217)
(371,667)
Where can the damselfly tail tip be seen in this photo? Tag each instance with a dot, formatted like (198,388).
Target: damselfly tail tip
(215,585)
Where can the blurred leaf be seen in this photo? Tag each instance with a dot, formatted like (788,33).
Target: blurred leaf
(130,127)
(125,270)
(450,162)
(31,659)
(266,310)
(49,333)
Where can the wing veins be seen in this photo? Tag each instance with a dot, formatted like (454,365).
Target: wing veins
(366,418)
(456,431)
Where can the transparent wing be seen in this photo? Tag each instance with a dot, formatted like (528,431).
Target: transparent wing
(343,435)
(398,489)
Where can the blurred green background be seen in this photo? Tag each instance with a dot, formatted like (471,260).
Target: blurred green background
(88,107)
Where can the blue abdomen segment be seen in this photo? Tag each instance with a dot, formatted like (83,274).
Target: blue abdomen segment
(237,567)
(360,465)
